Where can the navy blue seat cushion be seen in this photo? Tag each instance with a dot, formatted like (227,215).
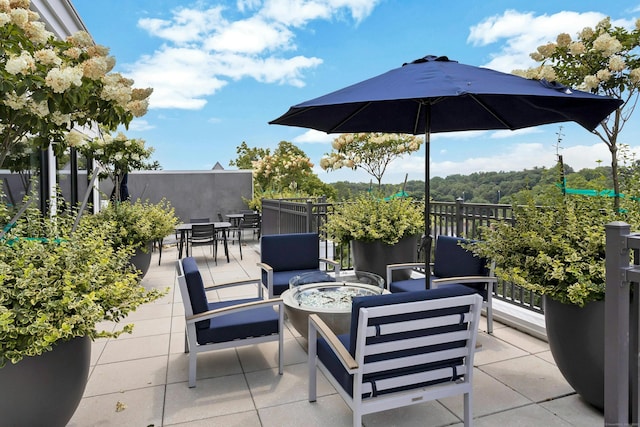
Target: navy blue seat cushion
(195,287)
(413,285)
(256,322)
(332,363)
(452,260)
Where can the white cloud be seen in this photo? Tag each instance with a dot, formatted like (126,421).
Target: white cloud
(313,136)
(522,33)
(187,25)
(203,51)
(499,134)
(250,36)
(139,125)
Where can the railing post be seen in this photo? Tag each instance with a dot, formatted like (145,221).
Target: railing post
(616,326)
(459,216)
(309,215)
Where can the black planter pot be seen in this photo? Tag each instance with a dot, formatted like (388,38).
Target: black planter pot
(576,340)
(141,259)
(45,390)
(375,256)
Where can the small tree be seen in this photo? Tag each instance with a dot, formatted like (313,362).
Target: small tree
(287,171)
(601,60)
(370,151)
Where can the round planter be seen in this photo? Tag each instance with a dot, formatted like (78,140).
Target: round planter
(375,256)
(45,390)
(576,340)
(141,259)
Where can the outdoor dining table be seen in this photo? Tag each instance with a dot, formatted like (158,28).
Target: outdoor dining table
(234,218)
(185,228)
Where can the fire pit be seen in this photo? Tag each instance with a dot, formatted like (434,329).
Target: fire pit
(329,296)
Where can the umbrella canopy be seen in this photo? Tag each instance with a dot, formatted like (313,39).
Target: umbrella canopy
(434,94)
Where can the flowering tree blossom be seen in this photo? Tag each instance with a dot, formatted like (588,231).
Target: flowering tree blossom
(601,60)
(287,167)
(370,151)
(50,86)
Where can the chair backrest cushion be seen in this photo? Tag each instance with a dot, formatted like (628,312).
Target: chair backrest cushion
(452,260)
(195,287)
(399,298)
(300,251)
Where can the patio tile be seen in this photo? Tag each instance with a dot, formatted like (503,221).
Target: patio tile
(151,311)
(148,327)
(141,407)
(264,356)
(495,350)
(525,342)
(210,398)
(326,411)
(526,416)
(211,364)
(242,419)
(270,389)
(121,349)
(489,396)
(531,376)
(576,411)
(127,375)
(428,414)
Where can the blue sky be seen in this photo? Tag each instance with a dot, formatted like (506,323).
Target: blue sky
(221,70)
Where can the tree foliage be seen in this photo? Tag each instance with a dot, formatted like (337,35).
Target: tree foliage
(602,60)
(372,152)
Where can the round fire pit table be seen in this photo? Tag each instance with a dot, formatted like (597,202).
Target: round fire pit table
(329,296)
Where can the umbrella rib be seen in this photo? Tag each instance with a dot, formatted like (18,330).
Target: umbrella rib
(491,111)
(354,113)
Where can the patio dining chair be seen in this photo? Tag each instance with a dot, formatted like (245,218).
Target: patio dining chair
(225,324)
(402,349)
(452,264)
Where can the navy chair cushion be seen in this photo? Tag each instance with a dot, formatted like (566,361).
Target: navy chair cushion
(250,323)
(332,363)
(413,285)
(452,260)
(300,251)
(195,286)
(409,285)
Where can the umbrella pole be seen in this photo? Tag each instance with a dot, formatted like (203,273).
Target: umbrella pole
(426,244)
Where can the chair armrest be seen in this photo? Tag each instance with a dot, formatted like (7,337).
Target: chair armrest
(343,354)
(229,284)
(463,279)
(234,309)
(336,264)
(266,267)
(405,265)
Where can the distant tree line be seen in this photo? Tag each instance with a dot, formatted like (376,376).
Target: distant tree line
(486,187)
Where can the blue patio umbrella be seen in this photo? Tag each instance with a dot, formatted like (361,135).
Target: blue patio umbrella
(434,94)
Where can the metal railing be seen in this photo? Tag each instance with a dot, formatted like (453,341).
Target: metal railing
(622,326)
(457,218)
